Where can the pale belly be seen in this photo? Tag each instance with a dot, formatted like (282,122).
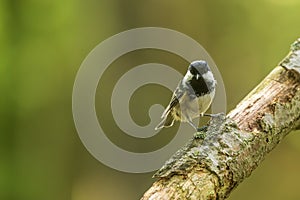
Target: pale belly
(192,108)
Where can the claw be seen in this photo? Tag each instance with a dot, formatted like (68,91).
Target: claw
(214,115)
(201,129)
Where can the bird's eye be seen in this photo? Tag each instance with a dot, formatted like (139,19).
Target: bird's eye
(194,71)
(191,69)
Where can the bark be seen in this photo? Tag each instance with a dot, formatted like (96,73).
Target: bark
(211,167)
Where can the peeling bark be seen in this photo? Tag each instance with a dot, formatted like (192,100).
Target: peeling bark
(234,145)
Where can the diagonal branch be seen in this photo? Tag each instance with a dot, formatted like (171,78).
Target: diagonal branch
(234,145)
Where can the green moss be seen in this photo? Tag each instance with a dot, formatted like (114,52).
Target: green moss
(200,135)
(296,45)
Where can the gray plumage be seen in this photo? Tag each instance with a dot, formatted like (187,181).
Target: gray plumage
(192,97)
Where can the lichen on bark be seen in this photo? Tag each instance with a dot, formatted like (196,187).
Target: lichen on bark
(234,145)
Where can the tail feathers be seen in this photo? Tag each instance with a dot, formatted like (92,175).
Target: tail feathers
(167,121)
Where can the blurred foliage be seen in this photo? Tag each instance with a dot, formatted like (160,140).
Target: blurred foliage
(42,46)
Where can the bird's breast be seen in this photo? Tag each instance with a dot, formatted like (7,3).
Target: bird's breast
(191,107)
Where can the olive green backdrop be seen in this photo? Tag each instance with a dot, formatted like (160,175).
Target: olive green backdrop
(42,44)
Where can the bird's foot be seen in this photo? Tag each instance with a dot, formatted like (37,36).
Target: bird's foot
(202,129)
(221,114)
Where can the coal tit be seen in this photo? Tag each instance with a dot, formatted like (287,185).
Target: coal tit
(192,97)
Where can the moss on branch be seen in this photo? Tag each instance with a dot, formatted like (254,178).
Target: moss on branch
(234,145)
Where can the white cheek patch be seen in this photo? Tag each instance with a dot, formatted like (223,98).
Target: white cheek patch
(188,76)
(197,76)
(208,76)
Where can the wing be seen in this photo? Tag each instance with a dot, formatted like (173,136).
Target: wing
(178,93)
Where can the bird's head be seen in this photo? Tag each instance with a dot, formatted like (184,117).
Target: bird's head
(199,67)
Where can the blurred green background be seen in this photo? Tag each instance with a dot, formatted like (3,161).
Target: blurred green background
(42,46)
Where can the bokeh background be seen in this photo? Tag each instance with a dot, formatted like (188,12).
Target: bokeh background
(42,46)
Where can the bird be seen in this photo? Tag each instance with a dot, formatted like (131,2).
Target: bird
(192,97)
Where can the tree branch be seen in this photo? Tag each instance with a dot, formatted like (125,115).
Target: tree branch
(234,145)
